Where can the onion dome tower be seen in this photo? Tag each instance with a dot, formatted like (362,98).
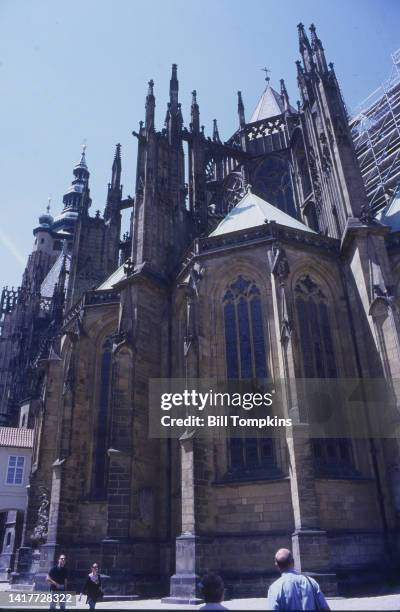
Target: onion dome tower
(74,196)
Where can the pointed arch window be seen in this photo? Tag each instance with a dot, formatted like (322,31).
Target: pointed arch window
(244,331)
(315,330)
(246,358)
(333,457)
(101,432)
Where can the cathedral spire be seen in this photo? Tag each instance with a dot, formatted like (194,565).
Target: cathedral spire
(284,96)
(114,194)
(81,171)
(301,81)
(150,106)
(216,137)
(318,51)
(174,88)
(116,169)
(331,158)
(305,48)
(242,120)
(173,119)
(195,114)
(73,199)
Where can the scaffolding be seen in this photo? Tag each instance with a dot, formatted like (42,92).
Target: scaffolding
(375,128)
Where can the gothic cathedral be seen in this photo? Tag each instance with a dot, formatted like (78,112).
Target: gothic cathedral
(248,258)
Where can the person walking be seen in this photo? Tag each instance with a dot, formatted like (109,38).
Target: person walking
(293,590)
(57,579)
(92,587)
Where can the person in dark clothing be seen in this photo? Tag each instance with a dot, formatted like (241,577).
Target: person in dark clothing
(92,587)
(57,579)
(212,589)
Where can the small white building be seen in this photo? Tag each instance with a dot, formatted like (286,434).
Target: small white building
(15,466)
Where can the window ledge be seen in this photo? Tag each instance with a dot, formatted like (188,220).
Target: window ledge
(354,478)
(247,478)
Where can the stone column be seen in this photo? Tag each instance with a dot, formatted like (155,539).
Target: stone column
(50,551)
(184,586)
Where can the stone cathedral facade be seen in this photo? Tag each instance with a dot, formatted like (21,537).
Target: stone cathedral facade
(248,258)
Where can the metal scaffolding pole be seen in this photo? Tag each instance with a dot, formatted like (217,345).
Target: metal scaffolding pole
(375,128)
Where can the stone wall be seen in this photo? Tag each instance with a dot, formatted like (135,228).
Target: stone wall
(348,504)
(262,507)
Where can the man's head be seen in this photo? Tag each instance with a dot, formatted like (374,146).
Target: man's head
(61,560)
(284,559)
(212,588)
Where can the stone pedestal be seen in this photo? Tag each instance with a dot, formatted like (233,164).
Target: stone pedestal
(117,567)
(184,585)
(23,574)
(42,562)
(311,557)
(310,550)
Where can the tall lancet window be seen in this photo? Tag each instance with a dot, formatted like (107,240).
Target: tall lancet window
(246,358)
(101,431)
(315,330)
(244,331)
(333,456)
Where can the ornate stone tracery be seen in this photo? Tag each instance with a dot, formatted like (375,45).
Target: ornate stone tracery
(40,530)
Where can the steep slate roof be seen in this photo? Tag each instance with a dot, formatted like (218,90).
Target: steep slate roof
(252,211)
(53,275)
(390,215)
(269,105)
(16,437)
(114,278)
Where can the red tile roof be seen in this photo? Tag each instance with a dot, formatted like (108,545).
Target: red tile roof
(16,436)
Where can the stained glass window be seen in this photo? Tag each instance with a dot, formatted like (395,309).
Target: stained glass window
(333,456)
(252,457)
(246,359)
(244,332)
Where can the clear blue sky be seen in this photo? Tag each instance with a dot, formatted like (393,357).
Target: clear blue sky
(78,69)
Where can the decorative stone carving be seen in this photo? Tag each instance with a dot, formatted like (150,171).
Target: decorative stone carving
(280,269)
(280,264)
(315,178)
(367,215)
(40,530)
(308,288)
(129,267)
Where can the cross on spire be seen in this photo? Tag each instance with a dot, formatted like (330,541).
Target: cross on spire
(267,71)
(48,205)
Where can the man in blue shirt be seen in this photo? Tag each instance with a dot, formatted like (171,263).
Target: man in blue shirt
(293,591)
